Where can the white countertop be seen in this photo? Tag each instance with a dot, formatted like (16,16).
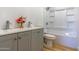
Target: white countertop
(16,30)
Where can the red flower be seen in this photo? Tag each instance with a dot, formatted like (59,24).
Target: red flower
(20,20)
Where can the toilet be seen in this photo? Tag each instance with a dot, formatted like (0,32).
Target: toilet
(49,40)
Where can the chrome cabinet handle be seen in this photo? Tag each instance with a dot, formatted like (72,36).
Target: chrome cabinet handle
(19,37)
(15,39)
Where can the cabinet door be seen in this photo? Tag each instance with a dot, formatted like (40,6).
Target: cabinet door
(8,43)
(24,41)
(37,40)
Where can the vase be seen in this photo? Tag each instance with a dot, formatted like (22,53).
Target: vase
(20,25)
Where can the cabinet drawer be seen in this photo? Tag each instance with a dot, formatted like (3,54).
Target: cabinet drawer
(24,34)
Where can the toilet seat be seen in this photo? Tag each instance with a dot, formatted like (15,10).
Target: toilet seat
(49,36)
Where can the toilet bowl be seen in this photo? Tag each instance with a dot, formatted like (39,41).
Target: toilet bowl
(49,40)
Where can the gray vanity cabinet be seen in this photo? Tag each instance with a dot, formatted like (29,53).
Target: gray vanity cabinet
(37,40)
(24,41)
(8,43)
(31,40)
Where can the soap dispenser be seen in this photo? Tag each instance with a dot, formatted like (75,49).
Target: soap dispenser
(29,24)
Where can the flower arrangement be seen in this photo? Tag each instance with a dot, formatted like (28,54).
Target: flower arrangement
(20,21)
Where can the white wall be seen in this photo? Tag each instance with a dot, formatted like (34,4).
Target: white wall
(33,14)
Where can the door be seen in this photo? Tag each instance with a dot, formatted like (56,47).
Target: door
(24,41)
(37,40)
(8,43)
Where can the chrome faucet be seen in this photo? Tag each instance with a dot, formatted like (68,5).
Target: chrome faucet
(7,25)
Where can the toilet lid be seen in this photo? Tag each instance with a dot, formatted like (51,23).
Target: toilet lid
(49,36)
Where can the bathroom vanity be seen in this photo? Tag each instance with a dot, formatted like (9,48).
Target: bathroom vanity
(26,39)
